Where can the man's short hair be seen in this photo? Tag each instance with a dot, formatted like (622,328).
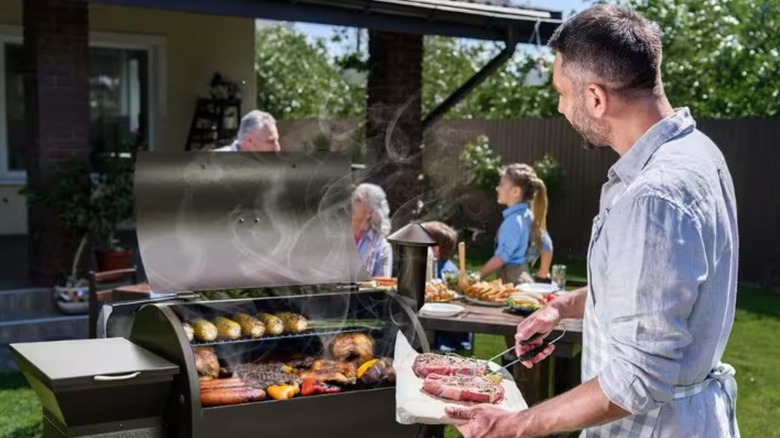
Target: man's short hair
(614,45)
(254,121)
(445,236)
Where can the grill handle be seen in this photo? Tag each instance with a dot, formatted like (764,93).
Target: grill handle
(115,378)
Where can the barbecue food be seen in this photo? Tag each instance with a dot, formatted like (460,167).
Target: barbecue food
(314,387)
(209,383)
(250,326)
(273,324)
(493,291)
(227,329)
(293,323)
(231,396)
(206,362)
(377,371)
(204,331)
(432,363)
(263,375)
(323,370)
(284,392)
(188,331)
(352,346)
(438,292)
(475,389)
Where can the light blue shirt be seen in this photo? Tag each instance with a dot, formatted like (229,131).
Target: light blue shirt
(514,236)
(376,254)
(232,147)
(662,275)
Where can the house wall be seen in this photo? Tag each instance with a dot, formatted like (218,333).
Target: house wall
(195,47)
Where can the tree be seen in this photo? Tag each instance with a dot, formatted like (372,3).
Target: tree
(721,57)
(449,62)
(296,80)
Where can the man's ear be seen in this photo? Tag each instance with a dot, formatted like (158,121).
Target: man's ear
(596,100)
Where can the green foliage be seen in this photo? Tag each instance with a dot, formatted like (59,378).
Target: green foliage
(448,63)
(296,80)
(721,57)
(482,164)
(550,171)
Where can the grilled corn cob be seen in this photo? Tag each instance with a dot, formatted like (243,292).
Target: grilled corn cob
(227,329)
(204,331)
(273,325)
(250,326)
(188,331)
(293,322)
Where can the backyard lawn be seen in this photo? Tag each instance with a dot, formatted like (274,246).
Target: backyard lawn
(752,350)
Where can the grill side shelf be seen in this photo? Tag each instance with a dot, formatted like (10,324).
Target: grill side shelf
(307,333)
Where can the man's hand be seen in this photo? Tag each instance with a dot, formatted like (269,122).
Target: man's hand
(542,321)
(484,421)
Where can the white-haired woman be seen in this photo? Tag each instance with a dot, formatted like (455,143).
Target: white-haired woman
(371,225)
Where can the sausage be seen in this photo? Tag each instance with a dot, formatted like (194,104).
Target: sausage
(231,396)
(232,382)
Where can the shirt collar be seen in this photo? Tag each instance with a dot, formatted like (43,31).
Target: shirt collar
(630,164)
(517,208)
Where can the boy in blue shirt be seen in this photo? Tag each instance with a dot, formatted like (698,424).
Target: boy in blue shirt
(522,237)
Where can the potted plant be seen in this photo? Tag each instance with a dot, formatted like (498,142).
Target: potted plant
(91,199)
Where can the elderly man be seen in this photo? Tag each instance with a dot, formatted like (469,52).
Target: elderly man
(257,133)
(662,261)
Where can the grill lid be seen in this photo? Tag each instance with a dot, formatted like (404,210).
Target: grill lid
(222,220)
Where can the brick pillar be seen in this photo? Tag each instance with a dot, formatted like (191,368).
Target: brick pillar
(56,42)
(394,130)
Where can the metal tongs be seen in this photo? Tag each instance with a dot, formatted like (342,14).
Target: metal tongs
(530,354)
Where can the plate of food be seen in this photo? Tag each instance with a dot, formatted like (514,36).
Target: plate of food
(524,304)
(493,293)
(437,291)
(428,383)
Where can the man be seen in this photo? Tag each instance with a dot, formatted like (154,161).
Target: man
(662,261)
(257,133)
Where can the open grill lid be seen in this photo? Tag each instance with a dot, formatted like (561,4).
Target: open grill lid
(223,220)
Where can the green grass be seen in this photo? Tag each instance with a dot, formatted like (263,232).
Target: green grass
(752,350)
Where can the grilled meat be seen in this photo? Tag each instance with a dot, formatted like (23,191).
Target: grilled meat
(231,395)
(323,370)
(206,362)
(263,375)
(377,371)
(352,346)
(188,330)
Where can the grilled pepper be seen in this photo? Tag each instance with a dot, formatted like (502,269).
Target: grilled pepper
(250,326)
(293,322)
(283,392)
(227,329)
(204,331)
(311,386)
(273,325)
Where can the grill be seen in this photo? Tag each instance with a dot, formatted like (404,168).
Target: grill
(235,234)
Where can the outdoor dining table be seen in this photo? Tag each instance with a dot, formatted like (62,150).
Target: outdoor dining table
(548,378)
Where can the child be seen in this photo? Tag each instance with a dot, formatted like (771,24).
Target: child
(446,238)
(523,232)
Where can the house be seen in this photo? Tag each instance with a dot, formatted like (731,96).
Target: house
(76,75)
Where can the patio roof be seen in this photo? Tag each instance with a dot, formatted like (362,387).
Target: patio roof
(481,20)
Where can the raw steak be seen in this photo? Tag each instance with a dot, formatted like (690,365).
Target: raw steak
(432,363)
(475,389)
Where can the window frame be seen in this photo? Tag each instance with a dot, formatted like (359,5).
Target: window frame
(153,45)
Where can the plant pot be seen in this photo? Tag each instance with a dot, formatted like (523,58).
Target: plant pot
(111,261)
(72,300)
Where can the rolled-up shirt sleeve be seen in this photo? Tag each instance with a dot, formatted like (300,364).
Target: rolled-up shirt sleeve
(655,265)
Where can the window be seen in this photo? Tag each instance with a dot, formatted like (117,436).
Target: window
(123,75)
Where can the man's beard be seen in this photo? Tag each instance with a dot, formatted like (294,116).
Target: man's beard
(595,135)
